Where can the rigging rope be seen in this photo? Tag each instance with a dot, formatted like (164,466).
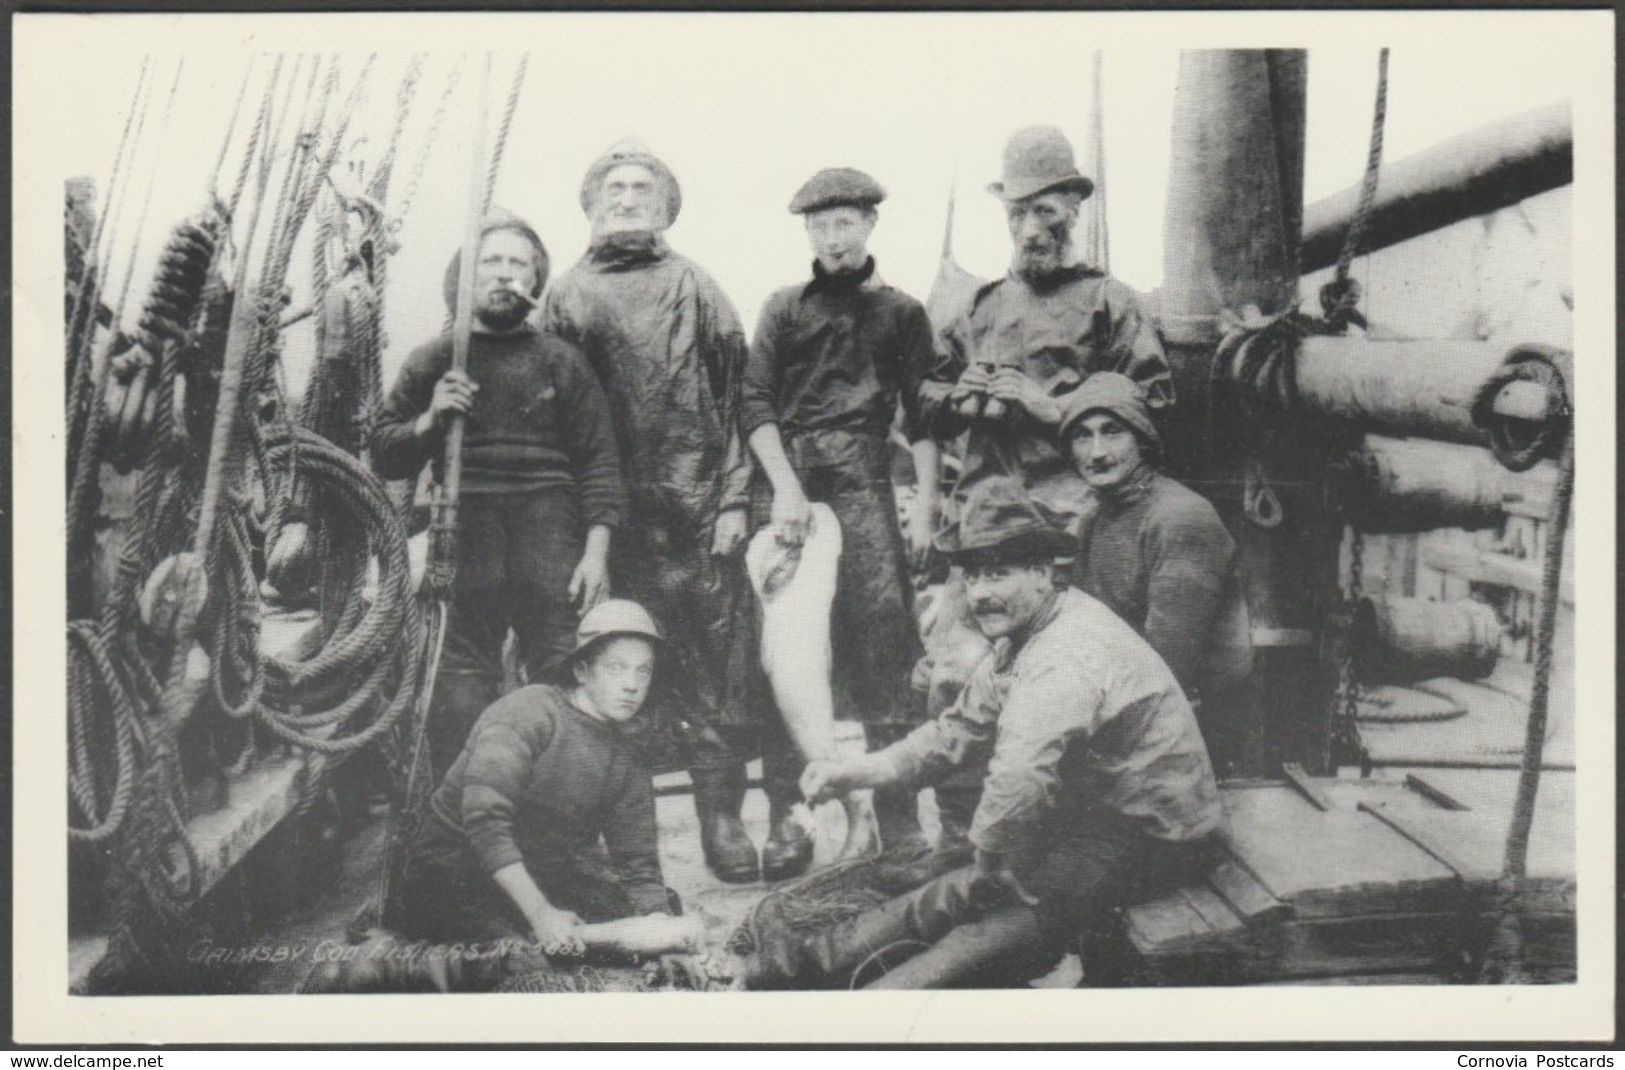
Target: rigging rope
(231,129)
(501,143)
(1340,298)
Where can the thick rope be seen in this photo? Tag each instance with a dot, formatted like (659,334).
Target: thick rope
(435,123)
(231,129)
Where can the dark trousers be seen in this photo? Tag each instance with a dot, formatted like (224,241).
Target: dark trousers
(1079,883)
(450,899)
(874,635)
(515,556)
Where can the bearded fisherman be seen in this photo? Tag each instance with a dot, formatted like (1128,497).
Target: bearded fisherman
(541,485)
(1008,364)
(1098,791)
(670,350)
(833,361)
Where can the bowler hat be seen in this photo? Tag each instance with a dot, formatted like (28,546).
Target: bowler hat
(630,150)
(1117,394)
(836,186)
(1038,159)
(999,515)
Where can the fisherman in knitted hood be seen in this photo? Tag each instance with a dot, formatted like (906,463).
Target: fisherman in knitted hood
(1157,553)
(669,348)
(541,484)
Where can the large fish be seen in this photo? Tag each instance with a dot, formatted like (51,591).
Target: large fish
(796,586)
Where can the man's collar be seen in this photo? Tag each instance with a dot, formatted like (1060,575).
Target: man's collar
(1132,490)
(1013,643)
(1066,274)
(628,248)
(864,278)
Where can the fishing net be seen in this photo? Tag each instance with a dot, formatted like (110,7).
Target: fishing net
(831,895)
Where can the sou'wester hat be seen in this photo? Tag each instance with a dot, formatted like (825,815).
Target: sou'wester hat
(998,514)
(1038,159)
(625,151)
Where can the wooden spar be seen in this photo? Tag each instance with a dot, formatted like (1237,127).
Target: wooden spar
(1392,485)
(443,525)
(1231,234)
(1425,388)
(1492,167)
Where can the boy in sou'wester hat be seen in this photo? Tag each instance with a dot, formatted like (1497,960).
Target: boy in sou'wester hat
(836,360)
(1098,787)
(546,782)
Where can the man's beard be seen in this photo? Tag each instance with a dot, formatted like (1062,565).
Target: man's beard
(502,314)
(1038,262)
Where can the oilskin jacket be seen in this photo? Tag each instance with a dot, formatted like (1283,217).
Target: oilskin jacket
(1079,715)
(1058,335)
(670,351)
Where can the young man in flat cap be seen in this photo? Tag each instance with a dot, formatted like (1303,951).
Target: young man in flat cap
(1098,788)
(670,351)
(1158,555)
(541,477)
(834,361)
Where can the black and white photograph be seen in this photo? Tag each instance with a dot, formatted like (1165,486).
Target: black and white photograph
(1033,505)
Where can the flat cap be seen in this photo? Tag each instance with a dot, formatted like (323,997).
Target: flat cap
(836,186)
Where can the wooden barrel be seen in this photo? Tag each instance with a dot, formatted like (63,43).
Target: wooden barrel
(1402,640)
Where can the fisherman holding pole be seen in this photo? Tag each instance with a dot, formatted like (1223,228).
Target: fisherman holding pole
(541,482)
(833,361)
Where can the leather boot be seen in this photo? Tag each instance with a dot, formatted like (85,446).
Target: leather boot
(1009,935)
(719,792)
(789,849)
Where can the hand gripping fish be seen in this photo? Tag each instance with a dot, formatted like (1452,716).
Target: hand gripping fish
(796,585)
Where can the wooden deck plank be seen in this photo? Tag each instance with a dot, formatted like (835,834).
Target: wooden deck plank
(1251,901)
(1340,862)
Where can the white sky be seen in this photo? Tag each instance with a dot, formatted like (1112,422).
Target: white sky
(744,108)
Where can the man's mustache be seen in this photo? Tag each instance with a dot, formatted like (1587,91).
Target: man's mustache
(983,609)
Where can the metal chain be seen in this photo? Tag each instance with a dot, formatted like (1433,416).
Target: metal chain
(1346,732)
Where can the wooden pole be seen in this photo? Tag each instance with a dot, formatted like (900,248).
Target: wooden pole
(443,524)
(1231,239)
(1485,169)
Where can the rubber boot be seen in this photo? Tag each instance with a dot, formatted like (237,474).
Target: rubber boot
(897,811)
(789,849)
(835,952)
(719,792)
(956,805)
(1006,936)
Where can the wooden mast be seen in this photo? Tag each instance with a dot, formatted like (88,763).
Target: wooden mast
(1232,233)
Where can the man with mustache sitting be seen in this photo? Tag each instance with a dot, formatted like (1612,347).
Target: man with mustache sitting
(1098,790)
